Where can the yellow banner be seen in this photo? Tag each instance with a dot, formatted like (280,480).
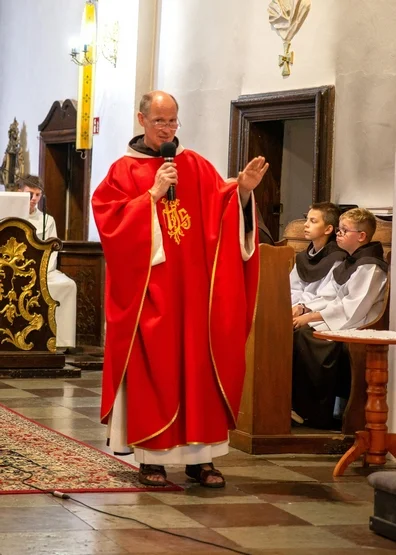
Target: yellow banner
(86,79)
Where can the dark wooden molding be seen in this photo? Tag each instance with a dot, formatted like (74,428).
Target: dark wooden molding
(59,127)
(83,262)
(316,103)
(62,115)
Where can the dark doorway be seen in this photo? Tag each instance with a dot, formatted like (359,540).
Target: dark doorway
(65,172)
(257,127)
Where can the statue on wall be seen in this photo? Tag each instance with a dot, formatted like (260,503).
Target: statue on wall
(286,18)
(12,167)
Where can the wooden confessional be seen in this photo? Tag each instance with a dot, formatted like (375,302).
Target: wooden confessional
(66,175)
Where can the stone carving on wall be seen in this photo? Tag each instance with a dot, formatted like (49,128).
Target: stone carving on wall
(286,18)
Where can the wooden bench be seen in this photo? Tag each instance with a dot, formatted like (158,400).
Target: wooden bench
(264,424)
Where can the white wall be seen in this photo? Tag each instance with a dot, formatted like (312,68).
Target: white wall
(35,67)
(211,52)
(114,92)
(202,47)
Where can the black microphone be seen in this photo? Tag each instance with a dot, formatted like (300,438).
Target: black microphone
(168,152)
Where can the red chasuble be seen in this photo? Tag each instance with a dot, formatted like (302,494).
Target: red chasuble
(176,331)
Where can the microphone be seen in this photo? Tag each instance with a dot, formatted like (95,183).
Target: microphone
(168,152)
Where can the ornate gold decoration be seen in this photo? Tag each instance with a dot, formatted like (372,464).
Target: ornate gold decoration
(175,219)
(12,167)
(286,59)
(21,300)
(12,256)
(286,18)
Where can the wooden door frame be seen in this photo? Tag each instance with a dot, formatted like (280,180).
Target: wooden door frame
(59,126)
(316,103)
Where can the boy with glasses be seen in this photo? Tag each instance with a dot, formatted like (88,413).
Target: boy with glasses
(352,298)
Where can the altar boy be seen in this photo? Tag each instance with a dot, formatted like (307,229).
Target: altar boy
(314,266)
(61,288)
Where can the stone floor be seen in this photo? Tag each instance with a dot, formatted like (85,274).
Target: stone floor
(272,505)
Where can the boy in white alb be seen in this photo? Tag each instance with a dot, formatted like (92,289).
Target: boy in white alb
(61,287)
(314,266)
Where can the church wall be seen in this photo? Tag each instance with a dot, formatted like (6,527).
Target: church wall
(114,92)
(35,68)
(209,53)
(349,44)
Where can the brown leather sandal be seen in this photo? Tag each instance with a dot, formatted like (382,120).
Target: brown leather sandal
(146,470)
(201,475)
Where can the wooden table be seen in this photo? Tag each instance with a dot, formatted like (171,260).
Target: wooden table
(375,441)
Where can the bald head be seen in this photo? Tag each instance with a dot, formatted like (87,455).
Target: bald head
(158,98)
(158,116)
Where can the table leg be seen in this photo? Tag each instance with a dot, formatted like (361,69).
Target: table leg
(361,445)
(391,444)
(374,442)
(376,407)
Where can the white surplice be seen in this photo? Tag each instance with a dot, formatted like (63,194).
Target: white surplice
(61,288)
(351,305)
(302,292)
(116,429)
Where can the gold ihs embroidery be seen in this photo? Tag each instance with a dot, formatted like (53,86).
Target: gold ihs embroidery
(176,220)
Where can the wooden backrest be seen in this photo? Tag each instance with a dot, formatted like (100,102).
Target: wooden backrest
(27,311)
(294,235)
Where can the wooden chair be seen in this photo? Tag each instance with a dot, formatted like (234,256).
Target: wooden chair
(27,311)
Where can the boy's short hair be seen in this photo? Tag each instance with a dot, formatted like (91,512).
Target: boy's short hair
(330,212)
(364,220)
(32,181)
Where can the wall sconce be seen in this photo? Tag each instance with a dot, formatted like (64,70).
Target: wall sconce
(82,58)
(107,45)
(83,48)
(110,43)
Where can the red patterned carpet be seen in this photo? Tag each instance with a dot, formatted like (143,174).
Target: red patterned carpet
(33,456)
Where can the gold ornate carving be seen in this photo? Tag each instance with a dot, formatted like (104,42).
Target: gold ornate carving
(51,344)
(286,18)
(12,256)
(176,220)
(24,289)
(286,59)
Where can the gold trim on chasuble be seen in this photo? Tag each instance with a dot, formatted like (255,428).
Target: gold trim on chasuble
(176,219)
(12,255)
(134,334)
(210,337)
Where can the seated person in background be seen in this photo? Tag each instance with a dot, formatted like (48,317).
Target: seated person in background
(352,298)
(314,266)
(61,287)
(263,231)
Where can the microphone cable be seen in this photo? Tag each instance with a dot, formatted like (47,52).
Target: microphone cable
(67,497)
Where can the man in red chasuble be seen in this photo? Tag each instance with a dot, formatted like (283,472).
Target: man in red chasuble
(181,287)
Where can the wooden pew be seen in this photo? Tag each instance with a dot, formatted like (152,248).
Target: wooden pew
(264,424)
(27,311)
(266,399)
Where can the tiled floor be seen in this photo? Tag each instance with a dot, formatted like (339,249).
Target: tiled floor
(272,505)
